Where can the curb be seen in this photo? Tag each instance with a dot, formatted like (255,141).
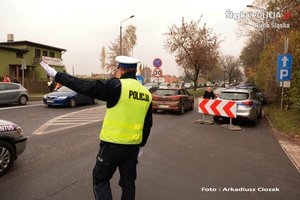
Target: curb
(291,149)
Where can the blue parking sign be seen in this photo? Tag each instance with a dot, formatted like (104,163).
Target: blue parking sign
(284,67)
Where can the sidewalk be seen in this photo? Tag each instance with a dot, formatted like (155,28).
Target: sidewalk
(36,97)
(292,149)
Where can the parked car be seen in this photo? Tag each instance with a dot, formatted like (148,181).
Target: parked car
(218,90)
(249,104)
(13,93)
(152,87)
(12,144)
(252,86)
(64,96)
(164,85)
(174,99)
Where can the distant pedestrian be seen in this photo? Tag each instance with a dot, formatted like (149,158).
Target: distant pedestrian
(209,94)
(51,84)
(15,80)
(6,79)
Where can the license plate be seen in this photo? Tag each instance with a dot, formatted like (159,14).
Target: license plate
(163,106)
(50,101)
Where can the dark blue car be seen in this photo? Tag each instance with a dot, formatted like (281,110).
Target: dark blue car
(66,97)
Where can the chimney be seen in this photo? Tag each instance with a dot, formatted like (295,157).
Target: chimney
(10,37)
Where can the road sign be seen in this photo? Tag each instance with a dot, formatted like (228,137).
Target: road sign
(140,79)
(217,107)
(157,62)
(157,72)
(284,67)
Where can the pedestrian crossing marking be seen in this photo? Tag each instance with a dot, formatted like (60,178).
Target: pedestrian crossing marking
(72,120)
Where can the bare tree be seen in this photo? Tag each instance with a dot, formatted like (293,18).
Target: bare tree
(231,67)
(146,72)
(195,48)
(103,58)
(129,41)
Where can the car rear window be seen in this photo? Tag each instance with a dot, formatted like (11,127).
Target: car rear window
(9,86)
(236,96)
(166,92)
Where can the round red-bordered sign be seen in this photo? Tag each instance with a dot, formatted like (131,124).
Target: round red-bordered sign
(157,62)
(157,72)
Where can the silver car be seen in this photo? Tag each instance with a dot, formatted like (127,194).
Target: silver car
(13,93)
(249,104)
(12,144)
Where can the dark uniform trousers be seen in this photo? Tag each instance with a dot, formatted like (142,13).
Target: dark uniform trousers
(109,158)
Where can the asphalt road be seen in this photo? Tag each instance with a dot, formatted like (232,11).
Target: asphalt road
(182,160)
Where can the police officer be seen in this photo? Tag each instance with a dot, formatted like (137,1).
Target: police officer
(126,125)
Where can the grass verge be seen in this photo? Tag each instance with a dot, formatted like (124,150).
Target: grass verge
(197,93)
(285,121)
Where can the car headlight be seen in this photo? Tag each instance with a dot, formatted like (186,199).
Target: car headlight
(45,96)
(19,130)
(62,97)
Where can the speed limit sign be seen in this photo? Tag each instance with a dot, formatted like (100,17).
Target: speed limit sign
(157,72)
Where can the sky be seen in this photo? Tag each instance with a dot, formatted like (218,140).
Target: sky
(84,27)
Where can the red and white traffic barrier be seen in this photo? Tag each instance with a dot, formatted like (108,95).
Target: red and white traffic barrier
(217,107)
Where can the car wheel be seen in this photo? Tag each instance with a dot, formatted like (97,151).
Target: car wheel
(23,100)
(72,103)
(254,122)
(192,106)
(182,109)
(6,157)
(260,113)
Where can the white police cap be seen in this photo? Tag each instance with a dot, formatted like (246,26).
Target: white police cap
(127,62)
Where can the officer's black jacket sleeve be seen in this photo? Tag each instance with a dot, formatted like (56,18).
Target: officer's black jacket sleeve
(105,90)
(147,126)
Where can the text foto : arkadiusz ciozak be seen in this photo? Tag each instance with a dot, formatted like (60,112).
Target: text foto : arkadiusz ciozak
(240,189)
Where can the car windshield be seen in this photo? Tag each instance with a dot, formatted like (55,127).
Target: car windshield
(236,96)
(166,92)
(64,89)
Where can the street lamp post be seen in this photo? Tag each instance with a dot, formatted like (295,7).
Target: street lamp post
(121,32)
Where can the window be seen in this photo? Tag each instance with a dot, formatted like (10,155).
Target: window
(2,87)
(235,96)
(166,92)
(186,93)
(37,53)
(51,54)
(45,53)
(19,54)
(9,86)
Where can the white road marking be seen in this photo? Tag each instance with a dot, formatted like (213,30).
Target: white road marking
(18,107)
(72,120)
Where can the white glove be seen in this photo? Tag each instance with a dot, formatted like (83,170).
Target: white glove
(141,151)
(49,70)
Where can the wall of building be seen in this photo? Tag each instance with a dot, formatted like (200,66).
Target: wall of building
(6,58)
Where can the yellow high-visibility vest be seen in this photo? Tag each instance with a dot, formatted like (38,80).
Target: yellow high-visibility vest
(123,123)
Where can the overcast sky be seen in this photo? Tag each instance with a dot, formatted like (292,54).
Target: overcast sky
(83,27)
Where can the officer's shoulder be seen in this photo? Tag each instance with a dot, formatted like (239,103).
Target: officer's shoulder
(115,82)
